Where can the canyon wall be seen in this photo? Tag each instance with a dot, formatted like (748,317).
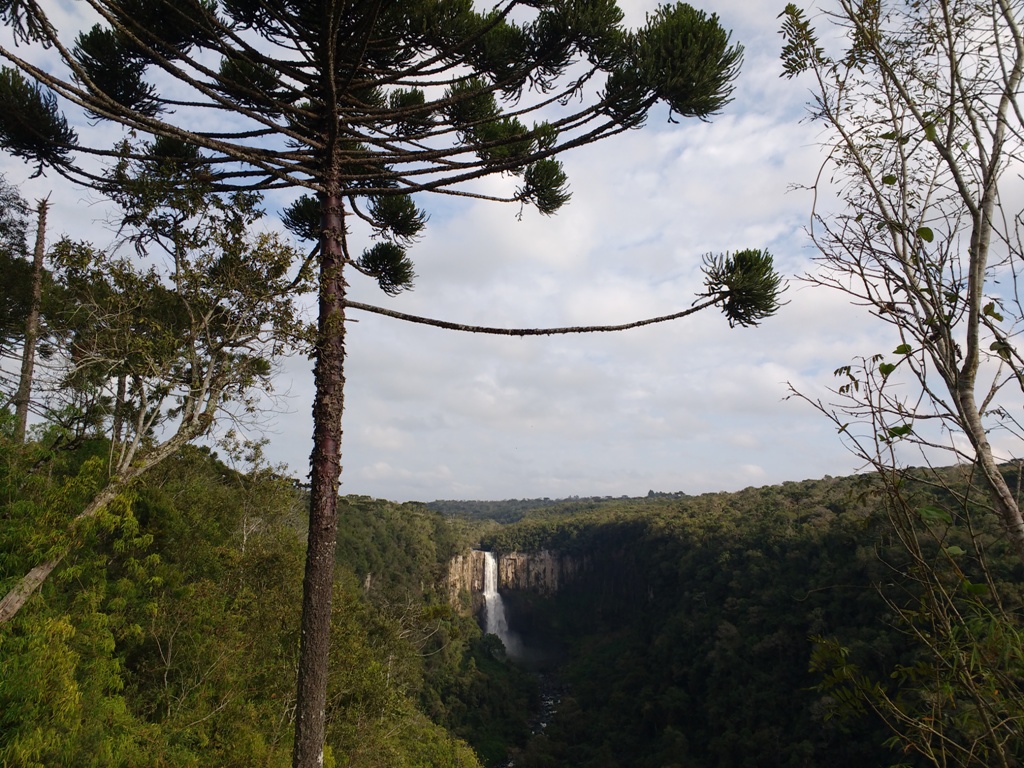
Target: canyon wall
(466,581)
(542,572)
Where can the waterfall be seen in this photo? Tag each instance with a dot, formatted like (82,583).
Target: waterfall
(495,622)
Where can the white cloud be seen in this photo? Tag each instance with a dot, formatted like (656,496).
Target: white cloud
(692,405)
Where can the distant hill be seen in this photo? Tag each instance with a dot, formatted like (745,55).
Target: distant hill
(514,510)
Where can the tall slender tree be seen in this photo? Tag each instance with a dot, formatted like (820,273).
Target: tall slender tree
(22,398)
(925,123)
(364,103)
(922,111)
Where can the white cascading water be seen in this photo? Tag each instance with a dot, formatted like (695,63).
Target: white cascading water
(496,623)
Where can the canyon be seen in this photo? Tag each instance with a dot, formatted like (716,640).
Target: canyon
(543,573)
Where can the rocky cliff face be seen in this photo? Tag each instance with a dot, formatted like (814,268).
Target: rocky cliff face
(466,580)
(541,572)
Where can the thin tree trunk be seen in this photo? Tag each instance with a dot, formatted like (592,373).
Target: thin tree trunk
(23,396)
(318,582)
(1000,493)
(118,426)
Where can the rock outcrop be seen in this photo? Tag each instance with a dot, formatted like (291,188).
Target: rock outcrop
(466,581)
(542,572)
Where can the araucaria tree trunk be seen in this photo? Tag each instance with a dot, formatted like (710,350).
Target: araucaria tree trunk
(318,583)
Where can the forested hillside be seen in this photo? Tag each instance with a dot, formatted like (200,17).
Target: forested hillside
(169,634)
(768,627)
(729,629)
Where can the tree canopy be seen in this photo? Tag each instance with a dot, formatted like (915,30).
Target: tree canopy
(16,292)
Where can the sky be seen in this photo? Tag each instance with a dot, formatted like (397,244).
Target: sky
(691,405)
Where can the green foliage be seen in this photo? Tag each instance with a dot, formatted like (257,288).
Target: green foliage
(112,68)
(397,216)
(130,626)
(15,266)
(31,125)
(161,187)
(388,262)
(748,283)
(958,699)
(302,218)
(801,50)
(394,548)
(249,83)
(171,638)
(507,511)
(546,186)
(482,697)
(682,57)
(410,107)
(14,221)
(686,60)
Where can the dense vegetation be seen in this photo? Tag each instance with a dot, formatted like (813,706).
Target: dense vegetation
(690,636)
(170,634)
(700,630)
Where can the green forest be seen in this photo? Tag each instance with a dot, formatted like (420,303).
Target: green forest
(170,634)
(701,631)
(752,628)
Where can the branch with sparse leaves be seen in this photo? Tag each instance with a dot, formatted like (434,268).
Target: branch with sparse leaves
(920,146)
(745,285)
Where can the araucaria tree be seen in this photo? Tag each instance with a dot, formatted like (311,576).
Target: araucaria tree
(364,103)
